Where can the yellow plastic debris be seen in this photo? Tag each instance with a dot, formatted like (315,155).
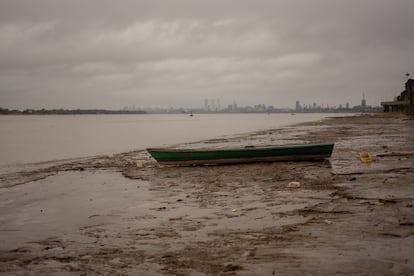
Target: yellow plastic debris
(293,184)
(139,164)
(234,210)
(365,157)
(379,203)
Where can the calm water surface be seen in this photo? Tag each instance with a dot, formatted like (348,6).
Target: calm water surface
(27,139)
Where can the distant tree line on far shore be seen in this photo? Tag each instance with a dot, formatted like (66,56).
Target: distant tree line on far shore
(5,111)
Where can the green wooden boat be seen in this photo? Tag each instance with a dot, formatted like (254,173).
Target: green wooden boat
(297,152)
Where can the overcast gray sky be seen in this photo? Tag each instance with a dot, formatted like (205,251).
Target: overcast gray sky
(109,54)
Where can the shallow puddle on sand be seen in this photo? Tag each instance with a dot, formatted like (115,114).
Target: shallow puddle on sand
(60,204)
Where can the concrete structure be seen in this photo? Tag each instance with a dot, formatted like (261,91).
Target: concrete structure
(404,102)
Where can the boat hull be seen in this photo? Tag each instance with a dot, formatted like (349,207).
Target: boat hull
(242,155)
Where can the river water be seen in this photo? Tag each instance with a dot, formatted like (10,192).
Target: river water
(28,139)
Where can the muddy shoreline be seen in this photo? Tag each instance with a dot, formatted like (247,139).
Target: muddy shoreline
(103,215)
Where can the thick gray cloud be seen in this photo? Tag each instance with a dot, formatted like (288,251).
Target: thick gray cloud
(108,54)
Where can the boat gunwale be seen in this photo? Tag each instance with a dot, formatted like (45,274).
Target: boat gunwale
(243,160)
(247,148)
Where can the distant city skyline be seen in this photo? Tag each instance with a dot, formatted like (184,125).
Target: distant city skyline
(214,105)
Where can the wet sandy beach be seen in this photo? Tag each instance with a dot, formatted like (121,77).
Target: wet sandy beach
(104,215)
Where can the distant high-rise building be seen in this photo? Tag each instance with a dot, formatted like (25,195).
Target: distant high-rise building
(298,107)
(234,106)
(213,105)
(363,101)
(206,105)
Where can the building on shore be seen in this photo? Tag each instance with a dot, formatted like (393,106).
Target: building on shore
(402,103)
(363,101)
